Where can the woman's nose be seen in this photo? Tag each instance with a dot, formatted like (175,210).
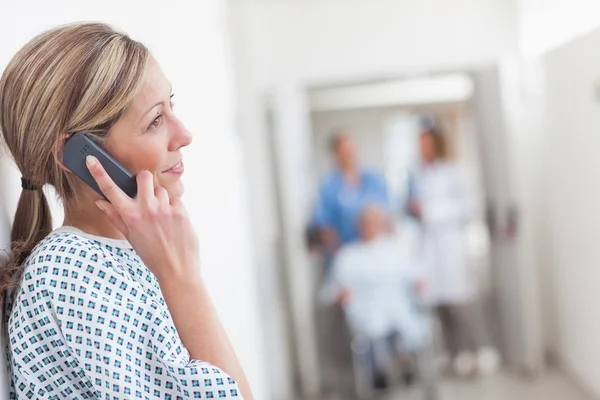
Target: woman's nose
(181,136)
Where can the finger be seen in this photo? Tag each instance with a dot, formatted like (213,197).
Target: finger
(162,195)
(113,216)
(177,206)
(111,190)
(175,201)
(145,182)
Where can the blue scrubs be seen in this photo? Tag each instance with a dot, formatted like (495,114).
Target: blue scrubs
(340,203)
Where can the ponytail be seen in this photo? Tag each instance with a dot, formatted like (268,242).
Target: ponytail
(32,223)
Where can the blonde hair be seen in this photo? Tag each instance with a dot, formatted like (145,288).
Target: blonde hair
(74,78)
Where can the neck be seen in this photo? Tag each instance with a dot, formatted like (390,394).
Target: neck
(85,215)
(348,168)
(350,172)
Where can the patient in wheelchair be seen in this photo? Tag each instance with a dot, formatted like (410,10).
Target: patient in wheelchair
(376,282)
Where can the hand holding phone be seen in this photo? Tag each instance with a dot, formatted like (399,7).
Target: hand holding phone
(156,224)
(75,151)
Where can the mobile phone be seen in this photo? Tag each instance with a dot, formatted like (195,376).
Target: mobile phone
(78,147)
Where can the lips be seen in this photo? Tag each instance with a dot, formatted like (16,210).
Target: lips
(175,169)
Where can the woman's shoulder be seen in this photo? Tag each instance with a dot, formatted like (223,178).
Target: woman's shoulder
(58,260)
(68,254)
(61,246)
(69,268)
(68,260)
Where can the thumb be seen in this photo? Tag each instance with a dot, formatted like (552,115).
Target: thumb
(113,215)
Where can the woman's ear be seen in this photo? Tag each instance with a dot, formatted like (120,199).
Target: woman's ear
(57,149)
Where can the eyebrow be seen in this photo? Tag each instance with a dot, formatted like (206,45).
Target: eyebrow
(157,104)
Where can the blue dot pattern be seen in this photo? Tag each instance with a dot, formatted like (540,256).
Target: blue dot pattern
(89,322)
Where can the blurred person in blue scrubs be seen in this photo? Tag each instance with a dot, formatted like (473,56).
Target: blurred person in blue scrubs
(377,282)
(440,201)
(343,194)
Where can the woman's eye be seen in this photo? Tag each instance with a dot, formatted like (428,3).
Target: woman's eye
(156,122)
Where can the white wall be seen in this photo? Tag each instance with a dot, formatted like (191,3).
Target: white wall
(4,244)
(571,141)
(189,39)
(520,94)
(546,24)
(331,39)
(554,108)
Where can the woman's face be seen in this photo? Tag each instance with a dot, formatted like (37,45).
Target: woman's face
(427,147)
(149,136)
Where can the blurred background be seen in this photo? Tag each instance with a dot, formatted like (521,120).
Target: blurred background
(395,199)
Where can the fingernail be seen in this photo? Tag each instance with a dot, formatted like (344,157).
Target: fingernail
(91,161)
(98,204)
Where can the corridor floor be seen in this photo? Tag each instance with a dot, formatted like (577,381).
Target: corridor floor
(503,387)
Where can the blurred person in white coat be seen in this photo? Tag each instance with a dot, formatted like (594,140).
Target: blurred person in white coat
(440,201)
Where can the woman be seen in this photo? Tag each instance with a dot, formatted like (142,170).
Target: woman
(112,304)
(440,201)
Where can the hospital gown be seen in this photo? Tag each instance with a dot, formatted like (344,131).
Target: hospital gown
(89,322)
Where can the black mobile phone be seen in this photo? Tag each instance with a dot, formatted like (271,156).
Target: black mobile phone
(78,147)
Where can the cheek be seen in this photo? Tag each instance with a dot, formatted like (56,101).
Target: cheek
(140,156)
(425,149)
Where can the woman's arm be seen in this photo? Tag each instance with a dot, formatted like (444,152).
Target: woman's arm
(160,231)
(199,326)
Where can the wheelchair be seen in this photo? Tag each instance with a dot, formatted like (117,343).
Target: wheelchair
(363,350)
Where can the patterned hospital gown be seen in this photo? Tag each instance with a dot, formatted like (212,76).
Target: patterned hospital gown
(89,322)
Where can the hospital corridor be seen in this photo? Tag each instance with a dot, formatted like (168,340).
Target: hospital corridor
(385,199)
(551,387)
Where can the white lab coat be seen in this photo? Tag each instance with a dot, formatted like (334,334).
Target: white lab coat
(380,276)
(446,208)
